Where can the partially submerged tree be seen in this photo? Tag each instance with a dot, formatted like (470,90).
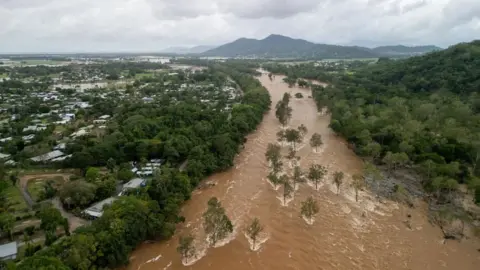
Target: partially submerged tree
(298,176)
(186,248)
(357,184)
(316,141)
(283,112)
(281,136)
(316,173)
(274,156)
(338,180)
(287,188)
(303,130)
(292,155)
(309,209)
(274,179)
(216,223)
(293,136)
(253,230)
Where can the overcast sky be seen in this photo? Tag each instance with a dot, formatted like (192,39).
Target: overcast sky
(152,25)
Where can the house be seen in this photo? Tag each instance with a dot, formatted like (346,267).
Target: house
(96,210)
(10,163)
(133,184)
(99,121)
(81,132)
(4,156)
(6,139)
(144,172)
(62,158)
(28,138)
(8,251)
(60,146)
(34,128)
(48,156)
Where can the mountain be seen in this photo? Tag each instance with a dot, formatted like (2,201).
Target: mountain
(188,50)
(286,47)
(278,46)
(405,50)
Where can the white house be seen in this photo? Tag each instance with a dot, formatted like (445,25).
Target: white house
(48,156)
(8,251)
(96,210)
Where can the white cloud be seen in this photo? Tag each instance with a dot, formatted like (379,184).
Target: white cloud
(150,25)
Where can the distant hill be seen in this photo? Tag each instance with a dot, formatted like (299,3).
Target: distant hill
(405,50)
(456,68)
(188,50)
(278,46)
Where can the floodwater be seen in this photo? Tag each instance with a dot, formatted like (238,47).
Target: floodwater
(345,234)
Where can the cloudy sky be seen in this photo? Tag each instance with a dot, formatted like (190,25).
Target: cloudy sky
(152,25)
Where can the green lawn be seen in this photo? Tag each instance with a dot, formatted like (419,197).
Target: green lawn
(143,75)
(15,200)
(3,75)
(39,62)
(35,186)
(349,59)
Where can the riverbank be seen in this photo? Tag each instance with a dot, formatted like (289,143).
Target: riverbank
(345,235)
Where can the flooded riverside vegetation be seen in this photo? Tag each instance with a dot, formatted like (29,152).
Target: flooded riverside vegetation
(345,234)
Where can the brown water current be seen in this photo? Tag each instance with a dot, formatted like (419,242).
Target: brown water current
(345,235)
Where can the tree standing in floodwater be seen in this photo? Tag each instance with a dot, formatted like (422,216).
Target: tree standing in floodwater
(287,188)
(303,130)
(283,113)
(274,156)
(253,230)
(316,173)
(316,141)
(293,136)
(216,223)
(309,209)
(338,180)
(297,176)
(357,184)
(186,248)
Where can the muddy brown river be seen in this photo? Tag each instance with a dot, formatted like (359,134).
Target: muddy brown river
(345,235)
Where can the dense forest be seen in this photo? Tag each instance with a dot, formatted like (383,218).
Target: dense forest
(421,112)
(207,138)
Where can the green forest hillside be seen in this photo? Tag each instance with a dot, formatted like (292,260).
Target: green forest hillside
(422,112)
(455,69)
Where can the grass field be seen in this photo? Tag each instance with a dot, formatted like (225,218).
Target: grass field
(143,75)
(349,59)
(39,62)
(3,75)
(35,186)
(15,199)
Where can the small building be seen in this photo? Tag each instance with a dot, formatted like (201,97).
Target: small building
(8,251)
(96,210)
(48,156)
(6,139)
(4,156)
(134,183)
